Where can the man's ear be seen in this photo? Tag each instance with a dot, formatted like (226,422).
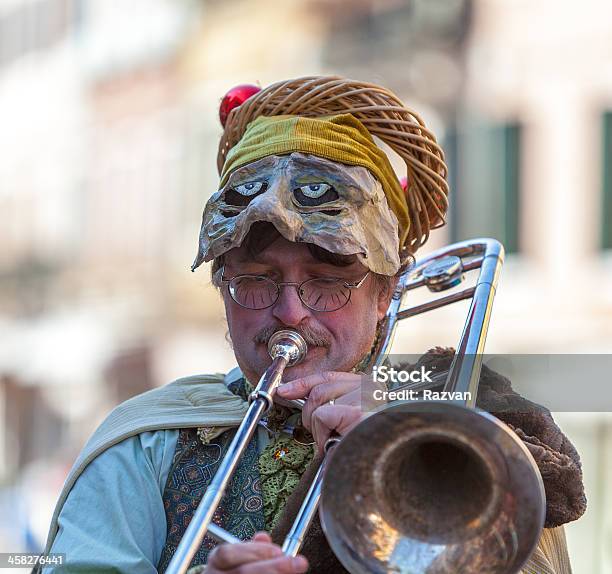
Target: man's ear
(385,293)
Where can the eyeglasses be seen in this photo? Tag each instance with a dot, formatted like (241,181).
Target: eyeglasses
(323,294)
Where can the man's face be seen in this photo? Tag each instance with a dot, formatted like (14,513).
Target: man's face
(339,339)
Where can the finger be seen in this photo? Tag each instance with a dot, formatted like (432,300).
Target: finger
(282,565)
(261,537)
(324,393)
(352,398)
(300,388)
(333,418)
(228,556)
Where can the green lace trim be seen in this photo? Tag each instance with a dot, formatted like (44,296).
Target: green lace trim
(281,464)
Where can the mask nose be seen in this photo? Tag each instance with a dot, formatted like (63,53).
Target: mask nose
(275,206)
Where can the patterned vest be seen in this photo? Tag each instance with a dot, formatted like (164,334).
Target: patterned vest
(194,464)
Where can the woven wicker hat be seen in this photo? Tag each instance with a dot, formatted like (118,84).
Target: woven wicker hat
(420,208)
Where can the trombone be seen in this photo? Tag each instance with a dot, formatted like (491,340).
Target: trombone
(439,487)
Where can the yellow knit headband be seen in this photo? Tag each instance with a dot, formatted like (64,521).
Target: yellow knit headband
(383,116)
(341,138)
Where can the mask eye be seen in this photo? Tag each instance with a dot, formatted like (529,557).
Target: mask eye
(314,194)
(314,190)
(241,195)
(250,188)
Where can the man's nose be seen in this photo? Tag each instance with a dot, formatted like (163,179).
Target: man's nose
(289,309)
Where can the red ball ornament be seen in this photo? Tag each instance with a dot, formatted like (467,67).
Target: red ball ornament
(234,98)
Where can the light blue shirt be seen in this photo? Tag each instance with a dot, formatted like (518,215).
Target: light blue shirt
(114,519)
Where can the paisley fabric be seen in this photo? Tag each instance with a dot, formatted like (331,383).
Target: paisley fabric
(195,463)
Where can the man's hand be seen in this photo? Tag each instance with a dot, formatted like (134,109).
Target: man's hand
(258,556)
(319,416)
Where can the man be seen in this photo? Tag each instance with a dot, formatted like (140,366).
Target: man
(308,231)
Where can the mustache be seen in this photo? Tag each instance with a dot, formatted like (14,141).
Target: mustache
(313,337)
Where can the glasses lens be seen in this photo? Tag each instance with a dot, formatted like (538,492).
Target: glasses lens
(253,292)
(325,294)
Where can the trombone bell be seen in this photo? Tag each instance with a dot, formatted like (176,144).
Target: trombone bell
(432,487)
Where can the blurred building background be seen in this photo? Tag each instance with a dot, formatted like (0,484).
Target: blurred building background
(108,135)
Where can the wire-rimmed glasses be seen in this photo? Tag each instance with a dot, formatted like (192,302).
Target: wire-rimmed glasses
(323,294)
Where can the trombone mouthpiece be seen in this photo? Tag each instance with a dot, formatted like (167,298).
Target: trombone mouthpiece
(289,343)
